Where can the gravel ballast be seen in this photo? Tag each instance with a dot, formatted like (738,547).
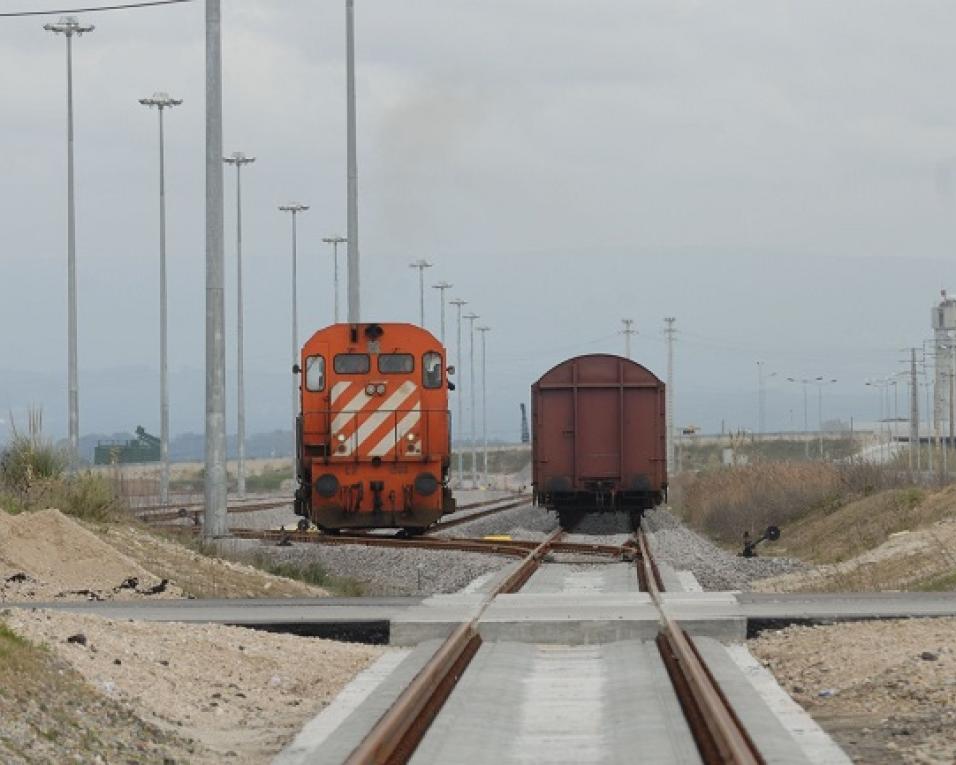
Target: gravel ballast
(675,544)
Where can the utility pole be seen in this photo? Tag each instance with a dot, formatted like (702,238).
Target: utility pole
(214,516)
(69,26)
(352,169)
(239,159)
(421,265)
(162,101)
(669,333)
(471,373)
(806,420)
(335,241)
(627,332)
(484,403)
(458,303)
(294,208)
(914,411)
(441,287)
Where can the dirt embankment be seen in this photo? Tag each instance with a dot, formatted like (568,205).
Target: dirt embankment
(894,540)
(47,556)
(196,693)
(885,690)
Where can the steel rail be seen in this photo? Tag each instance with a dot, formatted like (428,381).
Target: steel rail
(720,736)
(394,738)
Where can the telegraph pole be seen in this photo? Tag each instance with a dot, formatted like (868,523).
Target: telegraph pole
(471,373)
(914,411)
(441,287)
(484,403)
(162,101)
(458,303)
(239,159)
(69,26)
(627,332)
(669,333)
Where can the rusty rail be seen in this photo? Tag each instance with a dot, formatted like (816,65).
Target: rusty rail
(720,736)
(394,738)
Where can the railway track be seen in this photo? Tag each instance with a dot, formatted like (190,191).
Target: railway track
(717,732)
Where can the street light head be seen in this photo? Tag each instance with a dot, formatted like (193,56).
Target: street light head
(293,207)
(471,316)
(421,263)
(442,286)
(69,26)
(160,100)
(238,159)
(334,239)
(458,301)
(483,329)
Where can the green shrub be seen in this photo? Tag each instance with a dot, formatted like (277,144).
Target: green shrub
(29,457)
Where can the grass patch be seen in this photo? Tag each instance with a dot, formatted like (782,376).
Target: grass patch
(87,496)
(310,573)
(941,583)
(269,479)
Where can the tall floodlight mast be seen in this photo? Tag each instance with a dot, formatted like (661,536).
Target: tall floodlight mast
(441,287)
(68,26)
(627,332)
(471,382)
(239,159)
(161,102)
(294,208)
(421,265)
(484,404)
(352,169)
(335,241)
(214,518)
(460,424)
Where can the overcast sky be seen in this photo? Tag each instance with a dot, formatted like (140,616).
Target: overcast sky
(780,176)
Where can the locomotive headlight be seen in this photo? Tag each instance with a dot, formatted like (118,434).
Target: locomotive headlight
(380,389)
(370,390)
(410,437)
(341,438)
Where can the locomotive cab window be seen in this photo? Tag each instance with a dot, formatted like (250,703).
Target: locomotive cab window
(396,363)
(431,370)
(351,364)
(315,373)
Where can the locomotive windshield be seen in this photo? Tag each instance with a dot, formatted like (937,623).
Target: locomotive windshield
(351,364)
(315,373)
(431,370)
(396,363)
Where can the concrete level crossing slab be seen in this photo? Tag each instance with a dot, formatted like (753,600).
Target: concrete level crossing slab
(524,703)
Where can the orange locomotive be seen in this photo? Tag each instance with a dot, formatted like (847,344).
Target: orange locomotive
(374,436)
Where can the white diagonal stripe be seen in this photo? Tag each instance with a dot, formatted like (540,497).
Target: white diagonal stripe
(374,421)
(348,412)
(405,424)
(338,389)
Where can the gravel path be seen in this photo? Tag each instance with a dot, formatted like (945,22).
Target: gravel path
(716,569)
(391,571)
(526,523)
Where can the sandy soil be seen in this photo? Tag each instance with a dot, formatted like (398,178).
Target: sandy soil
(885,690)
(46,555)
(906,559)
(240,694)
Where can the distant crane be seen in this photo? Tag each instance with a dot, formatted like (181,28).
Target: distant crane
(525,434)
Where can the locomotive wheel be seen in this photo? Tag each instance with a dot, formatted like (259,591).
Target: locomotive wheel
(411,531)
(329,531)
(303,524)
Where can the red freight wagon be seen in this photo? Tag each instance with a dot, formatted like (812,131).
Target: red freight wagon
(599,440)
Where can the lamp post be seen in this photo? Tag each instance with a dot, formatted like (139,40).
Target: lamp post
(239,159)
(441,287)
(820,383)
(471,382)
(294,208)
(421,265)
(68,26)
(161,102)
(484,403)
(806,421)
(458,303)
(335,241)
